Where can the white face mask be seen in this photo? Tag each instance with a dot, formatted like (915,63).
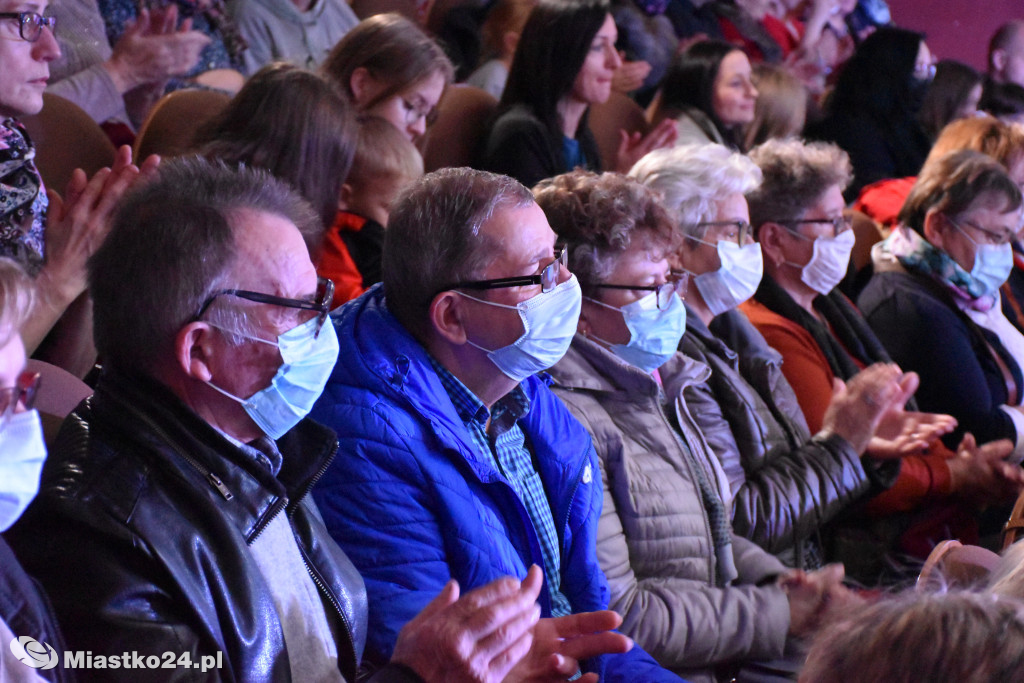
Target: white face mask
(22,452)
(654,333)
(549,324)
(736,279)
(828,264)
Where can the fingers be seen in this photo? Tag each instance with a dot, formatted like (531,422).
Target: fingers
(594,644)
(448,595)
(586,622)
(149,166)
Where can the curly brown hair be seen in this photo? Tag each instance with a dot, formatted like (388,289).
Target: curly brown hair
(598,217)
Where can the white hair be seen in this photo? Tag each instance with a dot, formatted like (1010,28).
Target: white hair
(691,178)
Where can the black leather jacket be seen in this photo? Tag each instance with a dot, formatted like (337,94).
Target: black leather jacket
(140,535)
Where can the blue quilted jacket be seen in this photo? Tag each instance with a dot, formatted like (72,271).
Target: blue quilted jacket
(413,505)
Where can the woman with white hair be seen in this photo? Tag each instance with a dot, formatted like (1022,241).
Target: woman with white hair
(787,483)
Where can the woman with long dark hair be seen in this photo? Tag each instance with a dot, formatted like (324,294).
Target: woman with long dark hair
(709,92)
(564,63)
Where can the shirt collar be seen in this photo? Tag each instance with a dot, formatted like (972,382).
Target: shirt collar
(511,407)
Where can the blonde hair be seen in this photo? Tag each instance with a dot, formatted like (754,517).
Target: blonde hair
(1004,142)
(17,298)
(382,151)
(781,107)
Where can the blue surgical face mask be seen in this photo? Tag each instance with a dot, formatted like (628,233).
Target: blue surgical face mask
(549,323)
(22,452)
(993,263)
(654,334)
(308,359)
(736,279)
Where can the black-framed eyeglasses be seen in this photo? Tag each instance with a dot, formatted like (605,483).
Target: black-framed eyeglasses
(30,24)
(840,224)
(991,236)
(546,278)
(664,292)
(22,393)
(743,230)
(321,303)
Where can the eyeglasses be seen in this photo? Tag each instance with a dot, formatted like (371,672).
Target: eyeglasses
(22,393)
(321,303)
(663,292)
(414,111)
(30,24)
(1000,237)
(742,229)
(547,278)
(840,224)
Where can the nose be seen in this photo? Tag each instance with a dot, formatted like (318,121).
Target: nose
(46,48)
(614,60)
(751,91)
(418,127)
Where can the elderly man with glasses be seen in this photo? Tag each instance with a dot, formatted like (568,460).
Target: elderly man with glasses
(459,461)
(174,521)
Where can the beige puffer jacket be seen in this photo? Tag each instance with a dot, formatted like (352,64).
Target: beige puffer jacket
(654,539)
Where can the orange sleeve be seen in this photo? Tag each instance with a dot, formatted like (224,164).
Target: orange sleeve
(922,478)
(337,264)
(803,364)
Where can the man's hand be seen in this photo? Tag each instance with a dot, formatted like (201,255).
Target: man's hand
(153,50)
(559,643)
(476,638)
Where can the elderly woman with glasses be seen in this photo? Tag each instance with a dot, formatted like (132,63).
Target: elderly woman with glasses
(797,213)
(696,596)
(940,270)
(787,484)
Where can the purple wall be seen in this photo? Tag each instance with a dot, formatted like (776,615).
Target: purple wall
(957,29)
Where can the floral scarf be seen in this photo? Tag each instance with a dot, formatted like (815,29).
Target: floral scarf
(915,253)
(23,200)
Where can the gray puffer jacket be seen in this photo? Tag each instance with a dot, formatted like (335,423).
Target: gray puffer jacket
(786,484)
(654,539)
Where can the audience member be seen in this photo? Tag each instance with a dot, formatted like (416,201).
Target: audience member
(935,637)
(786,485)
(499,36)
(459,461)
(954,94)
(302,32)
(122,82)
(951,252)
(646,34)
(197,431)
(708,91)
(565,61)
(691,591)
(797,214)
(748,26)
(24,610)
(780,110)
(385,162)
(1006,53)
(390,68)
(872,113)
(297,125)
(48,237)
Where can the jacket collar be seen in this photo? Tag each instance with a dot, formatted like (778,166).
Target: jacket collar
(164,425)
(380,356)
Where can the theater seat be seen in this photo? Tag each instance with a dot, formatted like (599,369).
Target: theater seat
(457,135)
(608,118)
(66,138)
(174,120)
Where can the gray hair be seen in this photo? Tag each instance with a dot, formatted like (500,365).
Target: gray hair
(795,174)
(939,638)
(173,242)
(433,238)
(17,298)
(691,178)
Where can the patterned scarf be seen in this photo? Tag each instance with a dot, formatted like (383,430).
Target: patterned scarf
(916,254)
(23,200)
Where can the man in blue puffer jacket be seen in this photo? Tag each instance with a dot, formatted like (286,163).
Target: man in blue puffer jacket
(456,460)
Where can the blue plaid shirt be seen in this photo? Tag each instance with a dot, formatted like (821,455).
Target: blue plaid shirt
(506,444)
